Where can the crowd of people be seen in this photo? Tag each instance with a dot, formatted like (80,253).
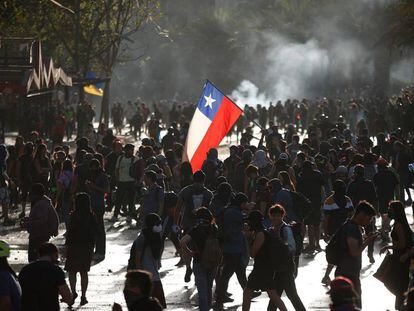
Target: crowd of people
(333,171)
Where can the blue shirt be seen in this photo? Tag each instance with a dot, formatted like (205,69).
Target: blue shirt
(10,287)
(284,198)
(232,226)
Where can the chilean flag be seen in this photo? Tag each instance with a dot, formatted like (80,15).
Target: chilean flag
(214,117)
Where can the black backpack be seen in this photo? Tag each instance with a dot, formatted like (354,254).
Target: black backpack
(278,252)
(212,253)
(301,205)
(334,250)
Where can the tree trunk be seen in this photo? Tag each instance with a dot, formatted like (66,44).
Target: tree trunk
(105,104)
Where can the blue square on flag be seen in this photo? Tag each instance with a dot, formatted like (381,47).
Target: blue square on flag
(210,100)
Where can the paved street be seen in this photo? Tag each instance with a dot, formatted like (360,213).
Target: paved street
(106,278)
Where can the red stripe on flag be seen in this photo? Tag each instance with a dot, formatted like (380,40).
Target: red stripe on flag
(224,119)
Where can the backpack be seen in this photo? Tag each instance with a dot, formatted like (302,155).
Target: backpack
(212,254)
(297,236)
(277,252)
(301,205)
(333,250)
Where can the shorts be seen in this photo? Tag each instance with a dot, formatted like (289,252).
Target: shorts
(4,196)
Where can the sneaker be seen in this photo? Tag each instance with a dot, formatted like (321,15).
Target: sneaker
(83,301)
(187,276)
(227,299)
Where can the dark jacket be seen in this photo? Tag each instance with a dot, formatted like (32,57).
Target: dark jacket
(43,220)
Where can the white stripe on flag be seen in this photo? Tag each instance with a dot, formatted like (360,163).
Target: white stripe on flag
(198,129)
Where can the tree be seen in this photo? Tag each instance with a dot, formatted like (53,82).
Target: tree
(82,35)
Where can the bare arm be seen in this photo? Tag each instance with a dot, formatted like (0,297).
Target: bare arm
(184,245)
(257,244)
(66,294)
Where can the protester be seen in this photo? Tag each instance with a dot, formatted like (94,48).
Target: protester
(42,282)
(137,292)
(401,236)
(235,252)
(98,186)
(190,199)
(146,253)
(10,291)
(80,241)
(4,190)
(352,244)
(284,277)
(261,277)
(43,220)
(125,182)
(199,236)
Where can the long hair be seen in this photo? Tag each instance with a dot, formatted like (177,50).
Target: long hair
(397,208)
(39,149)
(286,181)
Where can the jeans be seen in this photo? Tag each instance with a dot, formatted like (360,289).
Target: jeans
(285,281)
(232,263)
(100,234)
(204,283)
(125,192)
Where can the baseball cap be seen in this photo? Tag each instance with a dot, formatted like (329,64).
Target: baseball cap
(4,249)
(341,283)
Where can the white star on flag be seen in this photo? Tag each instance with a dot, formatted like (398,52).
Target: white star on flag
(209,101)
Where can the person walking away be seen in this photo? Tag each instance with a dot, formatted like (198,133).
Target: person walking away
(125,182)
(311,184)
(199,237)
(80,241)
(284,277)
(361,189)
(24,175)
(261,277)
(190,198)
(386,183)
(146,253)
(42,167)
(43,221)
(10,291)
(42,281)
(65,187)
(235,257)
(137,292)
(4,189)
(352,244)
(337,209)
(343,295)
(153,200)
(110,165)
(98,185)
(401,236)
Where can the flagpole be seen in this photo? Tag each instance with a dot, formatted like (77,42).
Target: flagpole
(253,121)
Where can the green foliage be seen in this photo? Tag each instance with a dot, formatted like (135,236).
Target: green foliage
(89,38)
